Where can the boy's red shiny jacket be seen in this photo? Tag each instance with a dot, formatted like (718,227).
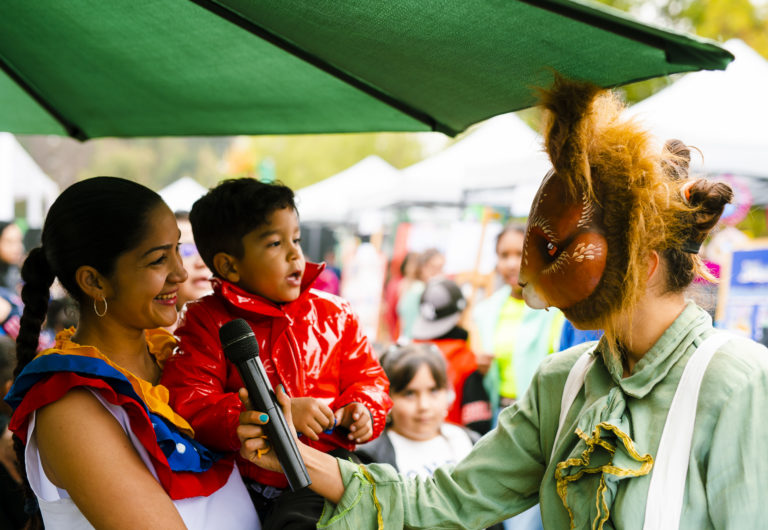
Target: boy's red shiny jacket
(313,346)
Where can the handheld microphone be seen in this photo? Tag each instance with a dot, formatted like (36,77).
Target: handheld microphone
(240,347)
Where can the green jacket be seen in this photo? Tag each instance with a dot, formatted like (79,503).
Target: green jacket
(604,459)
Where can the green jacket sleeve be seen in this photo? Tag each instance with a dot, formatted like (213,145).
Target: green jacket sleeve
(499,478)
(737,465)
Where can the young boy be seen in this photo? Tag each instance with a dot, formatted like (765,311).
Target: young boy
(247,232)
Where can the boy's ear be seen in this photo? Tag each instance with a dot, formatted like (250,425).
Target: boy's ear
(92,283)
(226,267)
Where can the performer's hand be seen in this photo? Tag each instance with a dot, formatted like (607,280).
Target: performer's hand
(254,445)
(311,416)
(356,417)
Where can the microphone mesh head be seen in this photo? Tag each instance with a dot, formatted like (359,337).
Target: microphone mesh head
(238,341)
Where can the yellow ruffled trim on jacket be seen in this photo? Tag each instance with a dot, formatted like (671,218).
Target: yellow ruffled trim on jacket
(379,516)
(593,442)
(160,343)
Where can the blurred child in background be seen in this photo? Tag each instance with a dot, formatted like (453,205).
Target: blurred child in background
(198,282)
(417,439)
(430,265)
(442,305)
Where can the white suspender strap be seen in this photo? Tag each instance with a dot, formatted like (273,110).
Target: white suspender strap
(572,386)
(664,504)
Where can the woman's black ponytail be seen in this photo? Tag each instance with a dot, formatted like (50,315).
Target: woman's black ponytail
(37,277)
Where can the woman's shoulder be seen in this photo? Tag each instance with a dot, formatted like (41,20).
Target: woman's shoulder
(77,405)
(73,398)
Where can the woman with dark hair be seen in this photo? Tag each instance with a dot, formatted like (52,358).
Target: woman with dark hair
(512,339)
(92,422)
(659,425)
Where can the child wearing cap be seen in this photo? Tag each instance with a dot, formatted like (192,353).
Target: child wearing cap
(441,306)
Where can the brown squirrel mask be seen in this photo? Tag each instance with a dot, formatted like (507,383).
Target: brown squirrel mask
(613,196)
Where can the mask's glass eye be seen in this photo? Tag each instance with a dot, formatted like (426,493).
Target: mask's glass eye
(551,248)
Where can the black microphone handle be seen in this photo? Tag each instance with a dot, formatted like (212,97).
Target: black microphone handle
(263,399)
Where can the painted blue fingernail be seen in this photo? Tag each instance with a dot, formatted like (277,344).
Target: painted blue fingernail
(329,430)
(263,418)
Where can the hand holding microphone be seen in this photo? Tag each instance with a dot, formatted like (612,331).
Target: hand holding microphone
(240,347)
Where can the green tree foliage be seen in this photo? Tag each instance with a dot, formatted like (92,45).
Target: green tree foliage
(718,20)
(726,19)
(156,162)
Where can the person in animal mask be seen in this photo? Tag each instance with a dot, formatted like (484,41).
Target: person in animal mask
(659,424)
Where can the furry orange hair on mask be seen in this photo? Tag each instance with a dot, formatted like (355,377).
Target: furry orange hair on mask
(613,196)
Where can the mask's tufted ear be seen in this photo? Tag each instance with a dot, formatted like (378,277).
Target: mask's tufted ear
(567,132)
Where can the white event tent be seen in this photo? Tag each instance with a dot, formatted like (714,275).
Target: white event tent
(22,180)
(501,162)
(368,185)
(724,114)
(181,194)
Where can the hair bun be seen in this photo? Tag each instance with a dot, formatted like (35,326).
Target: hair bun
(708,199)
(676,159)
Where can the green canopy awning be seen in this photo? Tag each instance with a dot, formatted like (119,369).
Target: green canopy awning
(93,68)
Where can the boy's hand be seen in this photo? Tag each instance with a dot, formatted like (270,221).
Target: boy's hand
(357,419)
(311,416)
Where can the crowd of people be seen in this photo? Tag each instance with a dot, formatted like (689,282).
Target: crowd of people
(586,392)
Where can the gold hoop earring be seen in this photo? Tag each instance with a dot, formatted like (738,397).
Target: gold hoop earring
(96,310)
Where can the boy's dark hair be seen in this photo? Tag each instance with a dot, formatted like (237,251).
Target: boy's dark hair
(225,214)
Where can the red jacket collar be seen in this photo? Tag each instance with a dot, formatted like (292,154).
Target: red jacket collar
(258,304)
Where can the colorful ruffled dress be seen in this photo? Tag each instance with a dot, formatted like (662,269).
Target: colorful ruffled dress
(205,487)
(597,475)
